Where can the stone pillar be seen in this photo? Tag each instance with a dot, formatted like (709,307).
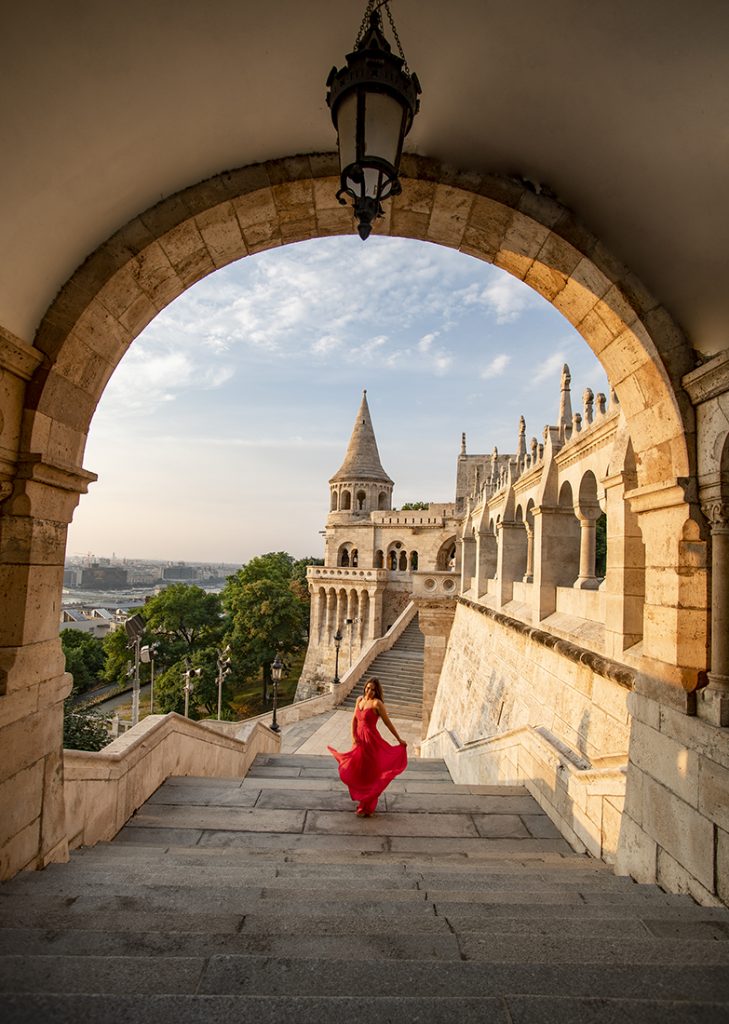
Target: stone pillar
(587,580)
(625,574)
(713,704)
(676,616)
(511,559)
(375,623)
(486,560)
(552,538)
(33,683)
(468,561)
(435,619)
(529,574)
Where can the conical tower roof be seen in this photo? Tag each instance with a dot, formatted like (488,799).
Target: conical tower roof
(362,461)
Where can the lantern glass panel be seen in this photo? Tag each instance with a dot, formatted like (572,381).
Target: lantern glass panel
(383,121)
(372,182)
(347,129)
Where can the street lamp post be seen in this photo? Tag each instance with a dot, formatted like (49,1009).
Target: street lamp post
(134,627)
(337,645)
(276,673)
(146,656)
(223,671)
(188,676)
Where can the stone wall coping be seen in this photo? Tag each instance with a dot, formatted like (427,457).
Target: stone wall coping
(116,759)
(600,665)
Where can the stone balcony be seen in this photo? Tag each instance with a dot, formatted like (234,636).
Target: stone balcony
(349,574)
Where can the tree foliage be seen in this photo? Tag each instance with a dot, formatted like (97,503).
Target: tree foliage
(269,612)
(186,614)
(84,729)
(85,658)
(415,506)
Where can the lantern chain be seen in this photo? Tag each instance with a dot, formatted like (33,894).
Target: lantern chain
(375,5)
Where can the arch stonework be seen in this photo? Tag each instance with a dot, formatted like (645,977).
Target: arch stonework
(153,259)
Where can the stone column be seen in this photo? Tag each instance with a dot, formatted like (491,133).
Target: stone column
(435,618)
(713,705)
(587,580)
(552,539)
(529,574)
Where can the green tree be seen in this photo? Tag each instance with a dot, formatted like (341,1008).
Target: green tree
(117,656)
(84,729)
(268,613)
(185,615)
(415,506)
(84,658)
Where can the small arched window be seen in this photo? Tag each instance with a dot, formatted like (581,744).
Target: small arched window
(413,561)
(361,500)
(344,558)
(355,558)
(334,504)
(346,501)
(379,560)
(403,562)
(392,561)
(382,501)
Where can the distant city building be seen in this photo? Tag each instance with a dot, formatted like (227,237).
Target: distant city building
(71,577)
(104,577)
(179,572)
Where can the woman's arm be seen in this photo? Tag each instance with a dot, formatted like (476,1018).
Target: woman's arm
(382,712)
(353,727)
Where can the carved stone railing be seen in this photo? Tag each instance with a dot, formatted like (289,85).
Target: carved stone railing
(336,574)
(435,585)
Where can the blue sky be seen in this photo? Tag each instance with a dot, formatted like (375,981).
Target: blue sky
(217,434)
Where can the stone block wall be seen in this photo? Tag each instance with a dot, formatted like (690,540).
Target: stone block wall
(500,674)
(675,827)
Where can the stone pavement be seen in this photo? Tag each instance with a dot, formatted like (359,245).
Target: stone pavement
(266,899)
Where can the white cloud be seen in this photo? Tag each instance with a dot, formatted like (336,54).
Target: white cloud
(507,298)
(496,367)
(550,367)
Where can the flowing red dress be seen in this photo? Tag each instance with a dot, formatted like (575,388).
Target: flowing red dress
(371,765)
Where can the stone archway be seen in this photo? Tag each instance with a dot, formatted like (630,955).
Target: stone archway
(152,260)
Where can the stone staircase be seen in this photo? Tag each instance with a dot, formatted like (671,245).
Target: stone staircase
(266,899)
(400,670)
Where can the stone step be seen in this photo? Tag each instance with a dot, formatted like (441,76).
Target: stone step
(230,974)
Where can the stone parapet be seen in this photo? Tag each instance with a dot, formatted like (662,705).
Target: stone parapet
(333,574)
(104,788)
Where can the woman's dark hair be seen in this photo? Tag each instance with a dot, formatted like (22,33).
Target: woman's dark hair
(378,688)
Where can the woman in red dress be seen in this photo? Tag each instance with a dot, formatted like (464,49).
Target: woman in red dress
(372,763)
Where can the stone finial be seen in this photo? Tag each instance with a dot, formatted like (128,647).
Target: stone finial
(588,400)
(463,443)
(614,400)
(534,448)
(576,423)
(601,403)
(521,442)
(541,452)
(565,402)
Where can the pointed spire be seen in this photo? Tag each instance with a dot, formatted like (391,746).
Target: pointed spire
(521,440)
(362,460)
(565,402)
(463,443)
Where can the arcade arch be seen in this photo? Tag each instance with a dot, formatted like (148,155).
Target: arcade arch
(150,261)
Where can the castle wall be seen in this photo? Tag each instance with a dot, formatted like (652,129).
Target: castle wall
(497,677)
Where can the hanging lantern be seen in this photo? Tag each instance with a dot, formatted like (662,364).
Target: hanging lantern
(373,101)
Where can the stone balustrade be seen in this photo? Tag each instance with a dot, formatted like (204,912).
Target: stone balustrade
(434,585)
